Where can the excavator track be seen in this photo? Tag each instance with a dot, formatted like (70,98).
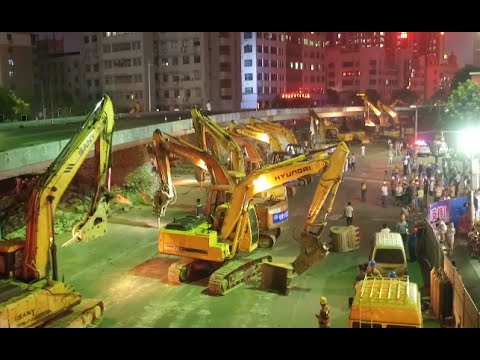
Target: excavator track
(179,271)
(88,314)
(236,272)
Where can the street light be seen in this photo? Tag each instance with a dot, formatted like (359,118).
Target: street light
(149,89)
(470,146)
(416,120)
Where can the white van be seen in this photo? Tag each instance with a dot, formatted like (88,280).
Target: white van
(389,253)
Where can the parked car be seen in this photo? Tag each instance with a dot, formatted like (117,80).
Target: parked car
(421,148)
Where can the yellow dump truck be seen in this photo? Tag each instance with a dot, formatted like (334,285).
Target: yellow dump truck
(382,302)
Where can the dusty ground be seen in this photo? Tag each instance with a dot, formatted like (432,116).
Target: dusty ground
(125,270)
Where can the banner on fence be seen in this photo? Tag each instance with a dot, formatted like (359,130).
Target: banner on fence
(448,210)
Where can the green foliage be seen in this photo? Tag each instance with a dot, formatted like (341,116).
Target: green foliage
(463,75)
(142,179)
(11,106)
(440,97)
(405,95)
(463,106)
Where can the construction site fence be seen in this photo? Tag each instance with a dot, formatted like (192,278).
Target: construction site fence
(464,310)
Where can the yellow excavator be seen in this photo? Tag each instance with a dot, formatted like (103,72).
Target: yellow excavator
(272,213)
(384,128)
(284,135)
(408,130)
(323,136)
(227,249)
(31,293)
(237,148)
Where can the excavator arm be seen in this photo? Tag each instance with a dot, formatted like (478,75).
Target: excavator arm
(164,145)
(278,174)
(202,124)
(390,112)
(251,132)
(275,128)
(97,132)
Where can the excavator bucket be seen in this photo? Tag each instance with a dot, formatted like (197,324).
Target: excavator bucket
(344,238)
(277,277)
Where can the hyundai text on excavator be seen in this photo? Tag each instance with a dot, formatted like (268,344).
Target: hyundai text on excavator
(271,213)
(31,294)
(215,247)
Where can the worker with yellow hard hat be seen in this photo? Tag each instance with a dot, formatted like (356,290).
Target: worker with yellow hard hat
(324,315)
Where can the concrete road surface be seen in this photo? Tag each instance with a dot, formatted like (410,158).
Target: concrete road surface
(125,270)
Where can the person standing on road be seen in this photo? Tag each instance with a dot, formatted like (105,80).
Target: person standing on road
(412,246)
(384,191)
(362,150)
(390,157)
(402,228)
(450,238)
(363,189)
(349,214)
(441,230)
(198,208)
(324,315)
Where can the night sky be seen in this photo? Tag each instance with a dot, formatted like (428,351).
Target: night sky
(460,42)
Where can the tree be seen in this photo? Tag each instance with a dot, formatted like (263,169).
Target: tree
(11,106)
(462,75)
(440,97)
(463,107)
(405,95)
(333,97)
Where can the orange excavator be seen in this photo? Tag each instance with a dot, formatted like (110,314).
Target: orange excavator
(272,213)
(227,248)
(31,293)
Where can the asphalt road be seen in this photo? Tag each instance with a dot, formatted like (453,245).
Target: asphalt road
(124,269)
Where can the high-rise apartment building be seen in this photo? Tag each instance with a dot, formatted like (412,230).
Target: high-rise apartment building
(476,49)
(127,69)
(196,68)
(305,62)
(91,61)
(263,63)
(148,71)
(16,63)
(363,68)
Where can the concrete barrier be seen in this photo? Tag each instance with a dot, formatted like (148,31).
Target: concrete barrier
(28,156)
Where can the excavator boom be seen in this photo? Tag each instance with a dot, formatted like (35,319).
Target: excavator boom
(33,296)
(164,145)
(203,124)
(238,232)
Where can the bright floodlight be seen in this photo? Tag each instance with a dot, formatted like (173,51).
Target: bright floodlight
(469,143)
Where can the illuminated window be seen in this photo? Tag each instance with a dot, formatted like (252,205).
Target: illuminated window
(11,62)
(312,67)
(296,65)
(10,73)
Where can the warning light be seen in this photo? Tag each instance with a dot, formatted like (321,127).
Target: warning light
(403,35)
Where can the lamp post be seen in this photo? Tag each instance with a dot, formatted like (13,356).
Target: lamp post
(149,89)
(416,120)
